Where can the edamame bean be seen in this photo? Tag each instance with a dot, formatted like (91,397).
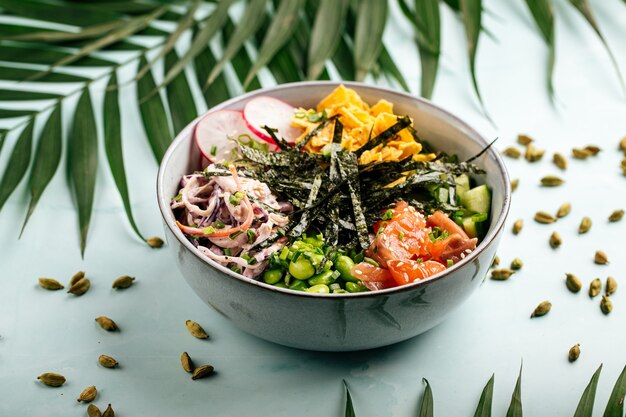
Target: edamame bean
(354,287)
(344,264)
(272,276)
(319,289)
(325,278)
(281,285)
(299,286)
(301,269)
(340,291)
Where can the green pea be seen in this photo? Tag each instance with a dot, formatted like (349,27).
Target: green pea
(299,286)
(325,278)
(281,285)
(344,264)
(316,241)
(319,289)
(354,287)
(272,276)
(301,268)
(340,291)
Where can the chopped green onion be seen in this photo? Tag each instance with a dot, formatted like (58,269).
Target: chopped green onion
(371,261)
(218,224)
(177,198)
(388,215)
(233,236)
(251,236)
(281,232)
(227,252)
(214,150)
(480,217)
(401,236)
(284,253)
(450,262)
(233,200)
(299,114)
(208,230)
(236,269)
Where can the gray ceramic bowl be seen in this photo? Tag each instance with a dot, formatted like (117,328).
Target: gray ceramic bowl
(339,322)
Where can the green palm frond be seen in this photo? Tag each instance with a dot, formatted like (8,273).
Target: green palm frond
(293,39)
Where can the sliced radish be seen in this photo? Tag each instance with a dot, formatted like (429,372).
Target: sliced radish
(269,111)
(213,130)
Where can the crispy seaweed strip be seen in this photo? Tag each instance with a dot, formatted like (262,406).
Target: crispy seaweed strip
(314,132)
(383,137)
(483,151)
(350,172)
(304,220)
(266,158)
(335,148)
(282,143)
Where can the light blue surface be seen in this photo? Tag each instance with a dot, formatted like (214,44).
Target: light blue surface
(42,331)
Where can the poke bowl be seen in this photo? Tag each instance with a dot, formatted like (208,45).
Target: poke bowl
(332,216)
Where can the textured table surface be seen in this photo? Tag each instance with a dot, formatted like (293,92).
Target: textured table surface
(491,333)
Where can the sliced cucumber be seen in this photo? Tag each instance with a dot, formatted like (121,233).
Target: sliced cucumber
(470,227)
(477,200)
(462,184)
(443,194)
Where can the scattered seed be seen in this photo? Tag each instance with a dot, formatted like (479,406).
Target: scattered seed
(542,309)
(551,181)
(611,286)
(515,183)
(616,216)
(533,154)
(50,284)
(186,362)
(580,153)
(80,287)
(606,305)
(496,261)
(501,274)
(93,411)
(585,225)
(595,287)
(574,352)
(600,258)
(593,149)
(77,277)
(517,226)
(108,412)
(107,361)
(88,394)
(573,283)
(123,282)
(545,218)
(512,152)
(51,379)
(555,240)
(516,264)
(106,323)
(560,161)
(196,330)
(622,145)
(525,140)
(154,242)
(564,210)
(202,372)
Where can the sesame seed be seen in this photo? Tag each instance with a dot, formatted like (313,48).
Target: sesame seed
(358,272)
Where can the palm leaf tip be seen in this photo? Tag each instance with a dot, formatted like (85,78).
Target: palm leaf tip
(17,164)
(368,36)
(515,408)
(484,404)
(585,405)
(325,35)
(349,406)
(615,405)
(427,407)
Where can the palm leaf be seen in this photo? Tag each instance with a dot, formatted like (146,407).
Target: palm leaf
(585,406)
(112,37)
(58,12)
(153,114)
(284,67)
(349,406)
(3,135)
(368,37)
(17,95)
(18,163)
(6,113)
(427,407)
(20,74)
(45,55)
(389,68)
(484,404)
(428,42)
(543,15)
(179,97)
(325,35)
(47,159)
(515,408)
(584,7)
(47,35)
(471,12)
(113,148)
(615,406)
(218,91)
(212,24)
(83,162)
(241,61)
(280,31)
(185,23)
(249,23)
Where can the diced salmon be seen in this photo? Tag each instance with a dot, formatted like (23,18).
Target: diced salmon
(374,277)
(405,272)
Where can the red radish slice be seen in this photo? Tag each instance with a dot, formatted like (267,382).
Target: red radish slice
(271,112)
(213,130)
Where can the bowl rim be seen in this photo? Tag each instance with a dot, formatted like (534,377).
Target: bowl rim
(445,115)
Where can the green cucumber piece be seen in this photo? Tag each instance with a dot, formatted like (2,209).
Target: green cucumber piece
(443,194)
(477,200)
(471,227)
(462,184)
